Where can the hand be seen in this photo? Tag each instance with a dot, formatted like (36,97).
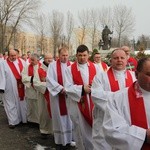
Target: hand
(63,91)
(87,89)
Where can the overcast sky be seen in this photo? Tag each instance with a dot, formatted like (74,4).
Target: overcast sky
(140,10)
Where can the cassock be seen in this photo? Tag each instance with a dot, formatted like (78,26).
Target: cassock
(62,124)
(14,103)
(82,128)
(122,126)
(45,120)
(102,88)
(31,93)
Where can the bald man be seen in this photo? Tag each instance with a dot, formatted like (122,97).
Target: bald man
(39,83)
(14,98)
(131,62)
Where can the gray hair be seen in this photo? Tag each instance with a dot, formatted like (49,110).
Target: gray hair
(35,55)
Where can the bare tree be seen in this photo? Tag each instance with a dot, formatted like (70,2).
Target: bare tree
(124,21)
(56,27)
(69,27)
(41,28)
(84,22)
(94,24)
(13,14)
(106,17)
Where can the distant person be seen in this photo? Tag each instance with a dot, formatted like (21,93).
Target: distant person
(132,62)
(97,60)
(127,116)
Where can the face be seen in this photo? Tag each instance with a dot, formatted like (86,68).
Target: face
(143,77)
(48,59)
(12,55)
(34,61)
(97,58)
(24,57)
(63,56)
(119,60)
(82,57)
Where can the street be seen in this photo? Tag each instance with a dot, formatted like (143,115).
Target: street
(22,137)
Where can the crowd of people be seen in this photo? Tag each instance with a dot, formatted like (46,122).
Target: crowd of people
(85,104)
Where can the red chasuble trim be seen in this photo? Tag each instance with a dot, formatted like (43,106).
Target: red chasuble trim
(137,110)
(104,66)
(62,100)
(84,106)
(20,85)
(114,83)
(42,74)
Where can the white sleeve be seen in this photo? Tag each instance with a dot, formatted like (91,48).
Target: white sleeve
(73,91)
(2,76)
(98,93)
(51,80)
(118,131)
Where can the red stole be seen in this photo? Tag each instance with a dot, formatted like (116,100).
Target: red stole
(137,110)
(31,70)
(85,109)
(18,77)
(62,100)
(104,66)
(42,74)
(114,83)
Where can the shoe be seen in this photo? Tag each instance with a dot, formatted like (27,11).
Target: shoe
(11,126)
(59,147)
(44,136)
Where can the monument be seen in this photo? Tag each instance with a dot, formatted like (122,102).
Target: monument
(106,38)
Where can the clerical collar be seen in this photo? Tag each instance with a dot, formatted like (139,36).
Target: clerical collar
(119,71)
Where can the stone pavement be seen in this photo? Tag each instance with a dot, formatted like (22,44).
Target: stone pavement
(23,137)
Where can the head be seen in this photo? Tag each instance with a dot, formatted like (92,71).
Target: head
(63,54)
(34,59)
(127,50)
(12,55)
(18,52)
(24,57)
(1,55)
(28,54)
(143,73)
(82,54)
(118,59)
(48,58)
(97,57)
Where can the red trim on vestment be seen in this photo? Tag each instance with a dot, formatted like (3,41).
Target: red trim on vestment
(20,85)
(85,108)
(114,85)
(137,111)
(62,100)
(104,65)
(42,74)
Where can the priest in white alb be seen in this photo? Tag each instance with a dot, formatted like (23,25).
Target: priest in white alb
(126,122)
(104,84)
(62,124)
(78,80)
(14,90)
